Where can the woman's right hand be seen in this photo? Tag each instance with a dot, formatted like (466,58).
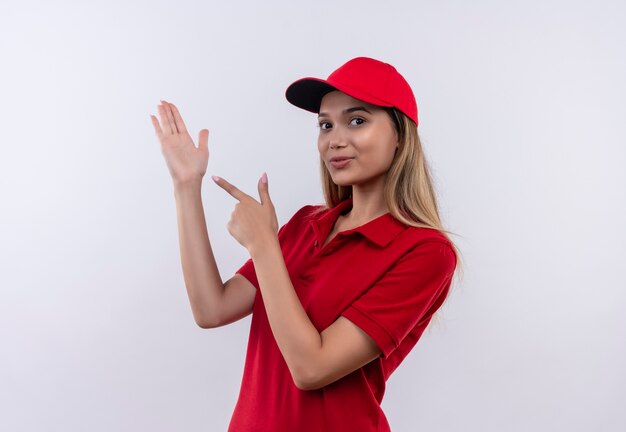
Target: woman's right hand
(185,161)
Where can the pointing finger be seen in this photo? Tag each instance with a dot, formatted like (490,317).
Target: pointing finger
(231,189)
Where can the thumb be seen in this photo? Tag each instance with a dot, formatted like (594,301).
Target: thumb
(203,139)
(264,193)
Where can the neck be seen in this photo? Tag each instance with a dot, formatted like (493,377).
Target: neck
(366,206)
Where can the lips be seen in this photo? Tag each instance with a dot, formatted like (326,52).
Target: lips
(340,163)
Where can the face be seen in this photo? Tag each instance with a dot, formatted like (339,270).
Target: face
(352,128)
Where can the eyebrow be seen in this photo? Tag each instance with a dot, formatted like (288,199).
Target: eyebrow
(347,110)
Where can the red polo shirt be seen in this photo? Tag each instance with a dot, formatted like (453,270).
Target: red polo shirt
(386,277)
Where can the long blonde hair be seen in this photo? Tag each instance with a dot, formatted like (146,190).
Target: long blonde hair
(408,191)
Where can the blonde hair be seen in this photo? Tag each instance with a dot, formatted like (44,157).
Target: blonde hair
(408,191)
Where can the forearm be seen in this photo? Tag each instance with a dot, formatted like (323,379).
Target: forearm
(296,336)
(202,279)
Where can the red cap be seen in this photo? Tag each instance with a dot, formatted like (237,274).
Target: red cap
(362,78)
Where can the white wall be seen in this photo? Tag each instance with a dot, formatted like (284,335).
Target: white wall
(522,114)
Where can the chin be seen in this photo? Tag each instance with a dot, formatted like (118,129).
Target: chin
(343,182)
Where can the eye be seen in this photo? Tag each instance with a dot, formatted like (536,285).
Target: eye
(323,125)
(357,121)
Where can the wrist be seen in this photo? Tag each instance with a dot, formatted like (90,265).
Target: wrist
(187,186)
(263,244)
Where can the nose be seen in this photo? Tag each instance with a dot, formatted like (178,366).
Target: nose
(335,138)
(333,144)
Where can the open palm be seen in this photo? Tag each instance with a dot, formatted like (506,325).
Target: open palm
(185,161)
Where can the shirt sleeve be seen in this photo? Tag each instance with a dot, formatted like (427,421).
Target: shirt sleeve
(406,295)
(247,269)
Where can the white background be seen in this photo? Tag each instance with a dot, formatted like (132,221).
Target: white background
(522,115)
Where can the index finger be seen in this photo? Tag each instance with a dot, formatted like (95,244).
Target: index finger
(179,120)
(231,189)
(157,127)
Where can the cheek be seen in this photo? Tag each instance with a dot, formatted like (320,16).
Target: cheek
(322,150)
(322,141)
(380,150)
(375,144)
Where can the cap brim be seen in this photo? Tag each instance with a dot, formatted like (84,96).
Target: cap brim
(307,93)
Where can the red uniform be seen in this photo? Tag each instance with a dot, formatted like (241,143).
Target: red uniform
(386,277)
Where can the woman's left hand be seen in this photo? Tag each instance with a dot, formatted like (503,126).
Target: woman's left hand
(251,222)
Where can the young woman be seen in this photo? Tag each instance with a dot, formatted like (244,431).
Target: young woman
(342,292)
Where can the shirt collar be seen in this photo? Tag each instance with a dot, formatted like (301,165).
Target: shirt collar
(381,230)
